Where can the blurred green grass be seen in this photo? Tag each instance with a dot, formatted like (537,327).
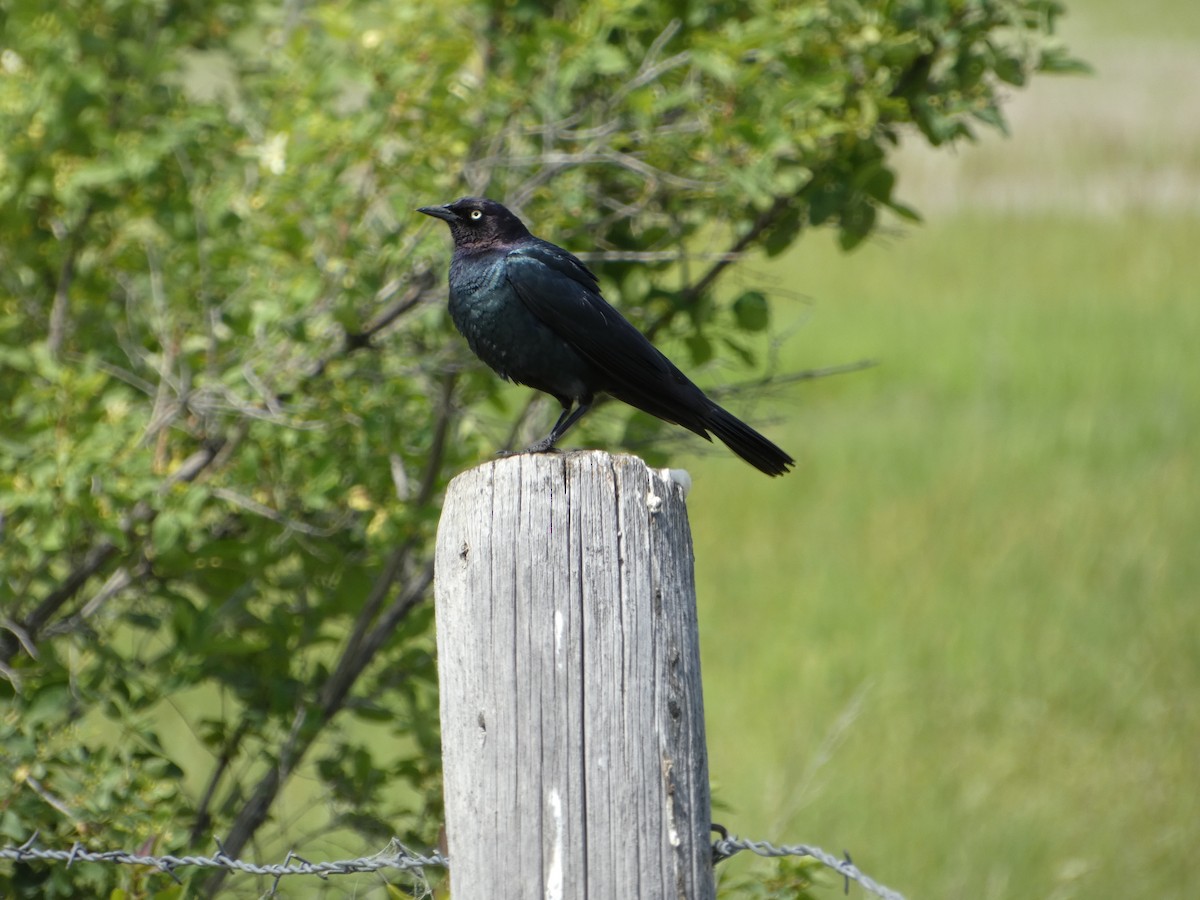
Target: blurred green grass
(1177,19)
(962,640)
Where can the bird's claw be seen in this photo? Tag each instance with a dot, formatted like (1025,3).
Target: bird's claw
(539,447)
(542,446)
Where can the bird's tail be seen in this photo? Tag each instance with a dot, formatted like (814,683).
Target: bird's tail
(747,443)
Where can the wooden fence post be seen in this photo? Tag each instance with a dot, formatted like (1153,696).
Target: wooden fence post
(572,718)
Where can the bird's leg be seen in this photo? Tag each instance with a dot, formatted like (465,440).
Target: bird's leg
(564,423)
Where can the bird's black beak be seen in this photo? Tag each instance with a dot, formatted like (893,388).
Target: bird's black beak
(439,212)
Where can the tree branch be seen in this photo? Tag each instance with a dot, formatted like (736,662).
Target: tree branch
(761,225)
(228,751)
(62,290)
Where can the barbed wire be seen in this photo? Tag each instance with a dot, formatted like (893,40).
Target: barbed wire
(394,856)
(725,847)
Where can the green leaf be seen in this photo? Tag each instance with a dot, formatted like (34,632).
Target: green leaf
(1058,60)
(165,532)
(878,181)
(783,233)
(904,211)
(700,348)
(991,115)
(752,311)
(1011,70)
(609,60)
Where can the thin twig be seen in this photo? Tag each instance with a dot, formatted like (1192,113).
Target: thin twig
(261,509)
(60,307)
(653,256)
(793,377)
(36,786)
(228,750)
(118,581)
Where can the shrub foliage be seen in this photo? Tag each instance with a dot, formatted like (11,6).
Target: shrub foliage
(231,397)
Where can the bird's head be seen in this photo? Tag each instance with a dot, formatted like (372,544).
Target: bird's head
(478,222)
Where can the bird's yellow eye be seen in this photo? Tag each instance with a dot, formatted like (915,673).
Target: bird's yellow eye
(477,214)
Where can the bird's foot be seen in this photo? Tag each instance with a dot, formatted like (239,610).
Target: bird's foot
(539,447)
(545,445)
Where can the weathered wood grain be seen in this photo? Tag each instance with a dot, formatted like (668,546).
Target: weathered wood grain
(572,717)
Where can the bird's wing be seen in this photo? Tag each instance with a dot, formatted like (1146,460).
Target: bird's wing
(563,294)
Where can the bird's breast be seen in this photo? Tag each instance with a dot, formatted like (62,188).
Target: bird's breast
(502,332)
(486,312)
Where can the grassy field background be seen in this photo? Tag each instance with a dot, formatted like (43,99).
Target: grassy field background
(962,640)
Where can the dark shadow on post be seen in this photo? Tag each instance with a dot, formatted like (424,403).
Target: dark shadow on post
(572,716)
